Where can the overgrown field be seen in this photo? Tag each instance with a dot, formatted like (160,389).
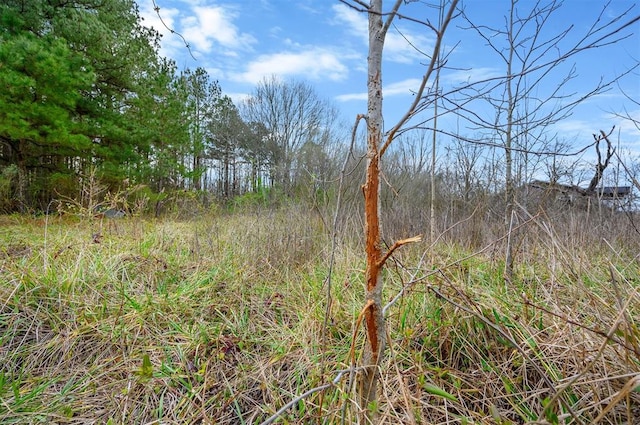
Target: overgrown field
(223,320)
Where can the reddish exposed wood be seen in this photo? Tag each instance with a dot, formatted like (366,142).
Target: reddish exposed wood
(372,331)
(352,350)
(372,231)
(397,245)
(373,315)
(373,252)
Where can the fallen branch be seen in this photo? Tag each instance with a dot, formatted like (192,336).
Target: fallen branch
(606,335)
(306,394)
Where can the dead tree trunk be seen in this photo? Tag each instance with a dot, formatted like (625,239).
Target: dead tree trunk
(373,310)
(374,321)
(601,166)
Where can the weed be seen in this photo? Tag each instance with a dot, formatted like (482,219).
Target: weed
(220,320)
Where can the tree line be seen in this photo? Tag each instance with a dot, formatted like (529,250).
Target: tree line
(85,93)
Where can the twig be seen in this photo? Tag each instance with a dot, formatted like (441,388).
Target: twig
(352,350)
(607,336)
(418,96)
(306,394)
(508,263)
(397,245)
(506,336)
(364,8)
(587,368)
(334,243)
(624,392)
(156,8)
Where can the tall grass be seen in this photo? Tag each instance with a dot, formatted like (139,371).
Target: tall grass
(220,320)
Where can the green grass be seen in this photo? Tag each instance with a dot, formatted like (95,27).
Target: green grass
(220,320)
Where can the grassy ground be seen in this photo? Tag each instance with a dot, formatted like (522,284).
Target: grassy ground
(222,320)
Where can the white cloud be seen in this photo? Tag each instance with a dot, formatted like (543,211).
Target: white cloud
(399,88)
(152,20)
(471,75)
(401,45)
(193,3)
(170,42)
(569,128)
(203,27)
(351,96)
(275,31)
(214,25)
(355,22)
(238,98)
(624,128)
(406,47)
(314,63)
(408,86)
(309,6)
(215,73)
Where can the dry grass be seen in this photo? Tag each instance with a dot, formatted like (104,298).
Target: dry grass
(220,320)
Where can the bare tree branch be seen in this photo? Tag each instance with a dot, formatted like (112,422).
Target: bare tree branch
(397,245)
(361,6)
(601,166)
(434,59)
(306,394)
(156,8)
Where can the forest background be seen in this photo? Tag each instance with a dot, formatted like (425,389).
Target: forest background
(89,94)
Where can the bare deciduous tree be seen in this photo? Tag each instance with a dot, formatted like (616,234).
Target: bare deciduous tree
(601,166)
(293,115)
(466,162)
(377,143)
(526,102)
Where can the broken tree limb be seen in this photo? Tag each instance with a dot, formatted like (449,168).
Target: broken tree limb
(397,245)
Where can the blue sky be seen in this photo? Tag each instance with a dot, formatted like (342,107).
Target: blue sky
(325,43)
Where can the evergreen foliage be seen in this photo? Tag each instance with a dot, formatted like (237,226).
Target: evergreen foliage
(87,92)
